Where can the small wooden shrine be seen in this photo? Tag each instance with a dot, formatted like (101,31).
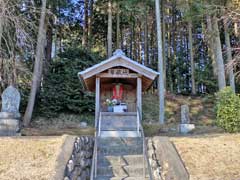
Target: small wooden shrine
(118,79)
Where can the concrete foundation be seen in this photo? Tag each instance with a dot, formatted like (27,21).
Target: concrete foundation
(9,127)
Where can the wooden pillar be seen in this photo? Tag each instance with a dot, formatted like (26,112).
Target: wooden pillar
(139,93)
(97,100)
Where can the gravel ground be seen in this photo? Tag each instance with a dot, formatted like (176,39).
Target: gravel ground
(24,158)
(215,157)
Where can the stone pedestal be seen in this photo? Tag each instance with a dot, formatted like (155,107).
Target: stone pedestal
(9,115)
(9,127)
(186,128)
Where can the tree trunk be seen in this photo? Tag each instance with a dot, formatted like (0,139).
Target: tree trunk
(1,31)
(118,45)
(90,16)
(219,57)
(49,43)
(146,36)
(169,53)
(2,21)
(121,39)
(85,27)
(37,66)
(174,31)
(152,39)
(132,39)
(174,72)
(163,44)
(190,41)
(109,32)
(211,45)
(135,43)
(139,49)
(160,64)
(1,55)
(229,55)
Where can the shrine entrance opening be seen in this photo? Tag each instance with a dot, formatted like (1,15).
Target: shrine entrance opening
(119,86)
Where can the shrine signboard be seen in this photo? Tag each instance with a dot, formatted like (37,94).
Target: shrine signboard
(118,72)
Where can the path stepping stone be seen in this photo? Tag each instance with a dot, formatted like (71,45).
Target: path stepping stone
(120,149)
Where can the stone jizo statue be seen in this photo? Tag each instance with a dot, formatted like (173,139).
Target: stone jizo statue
(9,115)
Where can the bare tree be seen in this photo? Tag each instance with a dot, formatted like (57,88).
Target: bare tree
(37,72)
(15,38)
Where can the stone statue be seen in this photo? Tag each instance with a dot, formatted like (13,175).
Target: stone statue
(185,126)
(10,100)
(9,115)
(185,114)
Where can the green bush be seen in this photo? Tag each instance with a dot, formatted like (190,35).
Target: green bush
(228,110)
(62,91)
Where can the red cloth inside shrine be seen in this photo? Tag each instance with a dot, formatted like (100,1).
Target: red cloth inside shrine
(117,92)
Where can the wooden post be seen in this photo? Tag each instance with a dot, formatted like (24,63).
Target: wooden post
(139,93)
(97,100)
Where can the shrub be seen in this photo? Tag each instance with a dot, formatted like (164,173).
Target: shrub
(62,91)
(228,110)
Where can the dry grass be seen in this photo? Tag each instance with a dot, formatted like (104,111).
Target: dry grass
(201,108)
(64,124)
(32,158)
(215,157)
(89,131)
(62,121)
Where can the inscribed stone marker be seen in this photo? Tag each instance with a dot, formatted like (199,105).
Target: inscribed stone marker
(185,114)
(10,100)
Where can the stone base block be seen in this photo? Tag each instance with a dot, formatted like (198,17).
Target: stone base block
(9,127)
(186,128)
(8,115)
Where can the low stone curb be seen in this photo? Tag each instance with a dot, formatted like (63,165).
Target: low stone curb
(166,162)
(63,157)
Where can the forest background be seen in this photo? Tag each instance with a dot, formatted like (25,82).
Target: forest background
(43,44)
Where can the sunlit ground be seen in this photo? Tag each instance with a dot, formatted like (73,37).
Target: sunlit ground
(25,158)
(212,157)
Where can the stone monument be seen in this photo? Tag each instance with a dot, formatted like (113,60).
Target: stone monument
(185,125)
(9,115)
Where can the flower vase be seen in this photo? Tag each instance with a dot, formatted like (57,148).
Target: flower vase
(110,108)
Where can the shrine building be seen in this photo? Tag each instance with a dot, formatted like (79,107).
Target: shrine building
(118,83)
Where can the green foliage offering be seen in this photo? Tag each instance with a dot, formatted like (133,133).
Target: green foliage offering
(62,90)
(228,110)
